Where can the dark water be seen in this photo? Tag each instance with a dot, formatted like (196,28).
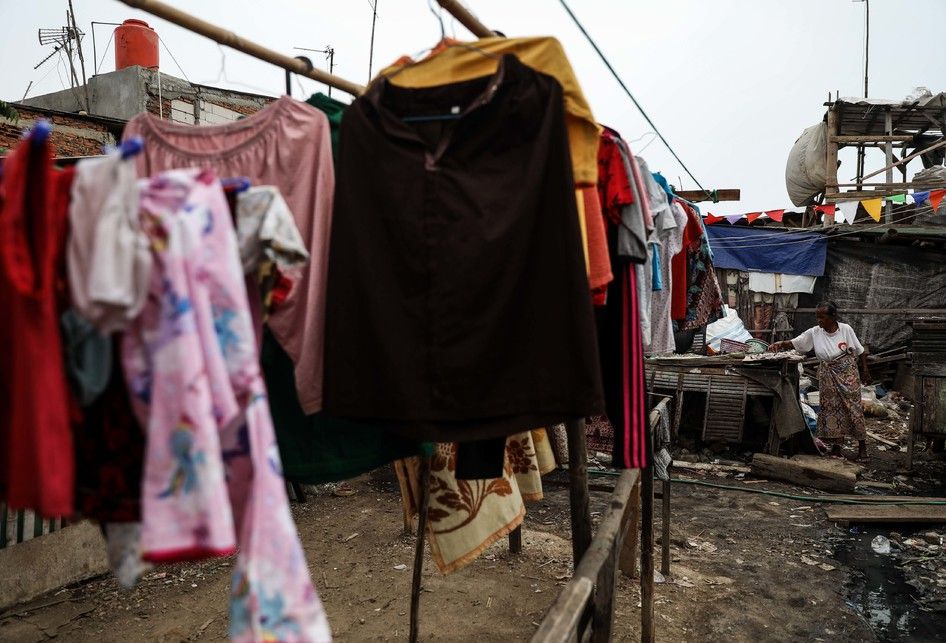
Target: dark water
(879,592)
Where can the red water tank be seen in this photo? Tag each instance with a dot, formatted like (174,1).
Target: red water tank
(136,44)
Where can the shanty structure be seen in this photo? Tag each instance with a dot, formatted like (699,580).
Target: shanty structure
(902,131)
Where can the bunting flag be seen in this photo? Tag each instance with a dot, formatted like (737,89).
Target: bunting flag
(898,198)
(936,197)
(873,207)
(848,210)
(710,219)
(733,218)
(752,216)
(826,209)
(775,215)
(920,198)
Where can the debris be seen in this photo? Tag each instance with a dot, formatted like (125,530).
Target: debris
(889,443)
(704,466)
(809,561)
(828,474)
(400,567)
(351,537)
(880,545)
(826,567)
(702,545)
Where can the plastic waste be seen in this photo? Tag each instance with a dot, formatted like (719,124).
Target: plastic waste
(880,545)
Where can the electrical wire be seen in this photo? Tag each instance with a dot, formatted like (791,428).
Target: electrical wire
(627,91)
(778,494)
(161,40)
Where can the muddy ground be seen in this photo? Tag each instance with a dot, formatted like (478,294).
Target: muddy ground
(746,567)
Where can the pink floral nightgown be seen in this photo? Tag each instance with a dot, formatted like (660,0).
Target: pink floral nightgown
(213,477)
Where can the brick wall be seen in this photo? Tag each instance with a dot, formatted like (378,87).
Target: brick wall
(71,135)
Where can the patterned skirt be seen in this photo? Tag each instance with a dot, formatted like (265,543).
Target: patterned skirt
(841,412)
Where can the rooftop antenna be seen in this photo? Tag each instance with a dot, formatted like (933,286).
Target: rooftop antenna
(67,39)
(329,52)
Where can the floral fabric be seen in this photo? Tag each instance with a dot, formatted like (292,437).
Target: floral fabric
(212,472)
(842,414)
(467,516)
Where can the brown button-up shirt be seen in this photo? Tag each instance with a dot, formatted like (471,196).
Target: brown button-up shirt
(458,305)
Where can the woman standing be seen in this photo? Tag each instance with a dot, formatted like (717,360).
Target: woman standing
(838,349)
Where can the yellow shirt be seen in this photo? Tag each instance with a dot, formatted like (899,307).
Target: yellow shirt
(544,54)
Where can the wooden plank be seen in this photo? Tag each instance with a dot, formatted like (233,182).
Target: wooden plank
(881,311)
(602,620)
(887,500)
(628,558)
(872,138)
(819,473)
(563,618)
(578,489)
(699,196)
(706,466)
(831,156)
(912,514)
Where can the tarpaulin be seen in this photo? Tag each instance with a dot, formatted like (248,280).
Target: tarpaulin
(884,279)
(757,249)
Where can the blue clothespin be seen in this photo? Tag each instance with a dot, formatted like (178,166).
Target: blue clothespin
(40,132)
(236,184)
(131,147)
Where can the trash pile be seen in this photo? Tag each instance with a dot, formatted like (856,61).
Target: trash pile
(922,557)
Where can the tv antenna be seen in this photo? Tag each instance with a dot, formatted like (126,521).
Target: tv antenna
(67,39)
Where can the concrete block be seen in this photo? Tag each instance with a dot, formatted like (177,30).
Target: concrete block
(35,567)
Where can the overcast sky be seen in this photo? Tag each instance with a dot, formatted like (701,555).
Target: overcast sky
(730,83)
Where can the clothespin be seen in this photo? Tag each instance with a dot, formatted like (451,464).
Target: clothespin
(131,147)
(40,132)
(236,184)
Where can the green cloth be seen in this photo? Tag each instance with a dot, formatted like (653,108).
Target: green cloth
(316,449)
(898,198)
(334,110)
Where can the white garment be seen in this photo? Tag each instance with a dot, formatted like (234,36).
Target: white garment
(670,224)
(827,345)
(267,229)
(108,256)
(772,282)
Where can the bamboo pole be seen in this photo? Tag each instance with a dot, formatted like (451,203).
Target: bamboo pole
(467,19)
(232,40)
(906,159)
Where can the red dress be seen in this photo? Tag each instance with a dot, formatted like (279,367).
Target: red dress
(36,453)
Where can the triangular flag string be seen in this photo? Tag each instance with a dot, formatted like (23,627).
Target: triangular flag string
(752,216)
(873,207)
(710,219)
(775,215)
(898,198)
(733,218)
(936,197)
(920,198)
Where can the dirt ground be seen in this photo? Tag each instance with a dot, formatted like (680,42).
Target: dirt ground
(745,567)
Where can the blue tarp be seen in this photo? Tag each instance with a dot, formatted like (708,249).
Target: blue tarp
(787,252)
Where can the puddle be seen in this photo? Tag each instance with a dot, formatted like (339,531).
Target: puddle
(878,591)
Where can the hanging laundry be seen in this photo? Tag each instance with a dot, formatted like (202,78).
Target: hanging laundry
(333,110)
(467,516)
(452,61)
(287,144)
(37,469)
(699,295)
(441,325)
(212,472)
(108,259)
(671,225)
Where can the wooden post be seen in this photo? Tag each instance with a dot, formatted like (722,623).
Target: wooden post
(665,535)
(647,552)
(578,489)
(515,540)
(602,619)
(888,150)
(831,161)
(419,547)
(628,558)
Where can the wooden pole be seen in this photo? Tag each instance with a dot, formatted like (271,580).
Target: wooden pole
(831,160)
(665,536)
(419,547)
(578,489)
(647,551)
(467,19)
(907,159)
(232,40)
(515,540)
(888,151)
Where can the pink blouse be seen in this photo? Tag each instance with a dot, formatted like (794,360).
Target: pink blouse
(286,144)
